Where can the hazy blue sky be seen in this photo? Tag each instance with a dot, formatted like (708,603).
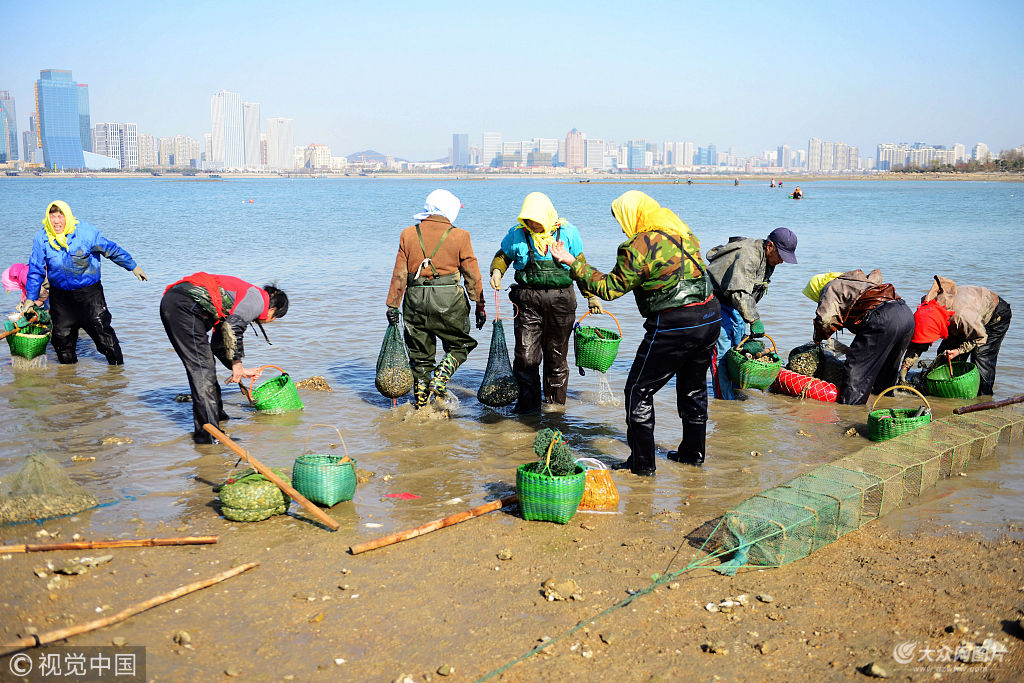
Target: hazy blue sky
(400,77)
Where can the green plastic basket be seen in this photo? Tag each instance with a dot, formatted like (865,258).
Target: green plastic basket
(748,373)
(959,379)
(277,395)
(549,499)
(29,342)
(324,479)
(596,347)
(887,423)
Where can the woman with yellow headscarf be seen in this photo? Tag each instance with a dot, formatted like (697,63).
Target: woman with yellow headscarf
(68,250)
(544,295)
(660,263)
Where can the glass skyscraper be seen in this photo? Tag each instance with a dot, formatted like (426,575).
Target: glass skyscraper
(8,128)
(57,101)
(84,120)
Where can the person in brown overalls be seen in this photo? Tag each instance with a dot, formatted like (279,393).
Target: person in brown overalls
(425,283)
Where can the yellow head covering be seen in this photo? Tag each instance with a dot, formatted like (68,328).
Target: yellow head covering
(817,283)
(538,207)
(59,241)
(637,211)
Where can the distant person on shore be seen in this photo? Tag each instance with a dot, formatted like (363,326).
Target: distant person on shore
(195,305)
(970,320)
(543,292)
(881,322)
(736,182)
(772,185)
(798,193)
(433,256)
(741,271)
(66,252)
(660,263)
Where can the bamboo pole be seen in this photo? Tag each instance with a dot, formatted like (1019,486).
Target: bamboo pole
(277,481)
(963,410)
(93,545)
(64,633)
(433,526)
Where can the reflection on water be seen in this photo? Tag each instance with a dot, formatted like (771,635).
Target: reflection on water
(336,266)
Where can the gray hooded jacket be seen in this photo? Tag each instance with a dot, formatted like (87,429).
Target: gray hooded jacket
(740,274)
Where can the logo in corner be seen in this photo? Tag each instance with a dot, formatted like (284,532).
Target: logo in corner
(904,652)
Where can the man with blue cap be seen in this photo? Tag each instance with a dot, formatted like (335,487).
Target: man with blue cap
(740,272)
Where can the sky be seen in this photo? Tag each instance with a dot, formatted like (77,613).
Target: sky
(400,77)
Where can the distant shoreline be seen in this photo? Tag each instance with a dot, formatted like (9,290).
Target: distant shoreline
(607,178)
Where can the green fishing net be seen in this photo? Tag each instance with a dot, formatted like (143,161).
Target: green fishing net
(562,461)
(41,489)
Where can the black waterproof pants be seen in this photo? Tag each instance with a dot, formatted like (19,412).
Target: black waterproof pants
(679,343)
(187,325)
(542,325)
(985,356)
(85,308)
(873,363)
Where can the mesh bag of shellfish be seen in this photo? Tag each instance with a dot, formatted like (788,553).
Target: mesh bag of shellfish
(41,489)
(499,387)
(394,376)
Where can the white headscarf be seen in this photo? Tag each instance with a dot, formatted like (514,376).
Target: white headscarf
(440,203)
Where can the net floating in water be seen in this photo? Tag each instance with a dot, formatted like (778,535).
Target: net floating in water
(41,489)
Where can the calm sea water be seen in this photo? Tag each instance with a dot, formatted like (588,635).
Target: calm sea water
(331,243)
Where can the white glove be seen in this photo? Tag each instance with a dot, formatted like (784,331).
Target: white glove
(495,279)
(595,305)
(138,272)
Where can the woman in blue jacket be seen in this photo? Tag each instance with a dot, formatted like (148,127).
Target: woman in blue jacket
(67,251)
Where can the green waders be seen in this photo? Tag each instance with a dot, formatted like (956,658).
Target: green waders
(435,308)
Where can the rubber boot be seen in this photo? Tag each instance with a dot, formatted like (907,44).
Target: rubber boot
(443,374)
(691,448)
(420,392)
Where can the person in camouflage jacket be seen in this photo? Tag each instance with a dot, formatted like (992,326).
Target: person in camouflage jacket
(660,263)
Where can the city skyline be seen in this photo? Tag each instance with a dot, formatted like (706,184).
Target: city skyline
(747,76)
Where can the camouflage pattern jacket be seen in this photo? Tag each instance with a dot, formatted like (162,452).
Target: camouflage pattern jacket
(649,265)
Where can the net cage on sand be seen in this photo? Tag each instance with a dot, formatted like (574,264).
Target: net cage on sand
(790,521)
(40,489)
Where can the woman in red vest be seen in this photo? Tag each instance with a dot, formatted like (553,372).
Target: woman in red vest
(201,302)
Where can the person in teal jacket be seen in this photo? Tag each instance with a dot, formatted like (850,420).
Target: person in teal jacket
(544,295)
(67,251)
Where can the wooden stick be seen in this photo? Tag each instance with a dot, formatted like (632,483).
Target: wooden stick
(92,545)
(277,481)
(988,405)
(63,633)
(434,526)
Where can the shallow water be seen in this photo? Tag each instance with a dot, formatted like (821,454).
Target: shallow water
(330,243)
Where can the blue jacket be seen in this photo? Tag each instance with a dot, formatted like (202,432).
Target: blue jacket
(77,267)
(517,249)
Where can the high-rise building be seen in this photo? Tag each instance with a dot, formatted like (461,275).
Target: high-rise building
(636,155)
(165,152)
(546,146)
(57,109)
(251,134)
(8,128)
(185,151)
(318,157)
(460,150)
(226,117)
(959,153)
(594,154)
(980,153)
(147,151)
(784,157)
(490,147)
(263,150)
(84,120)
(814,154)
(118,141)
(575,150)
(207,147)
(280,147)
